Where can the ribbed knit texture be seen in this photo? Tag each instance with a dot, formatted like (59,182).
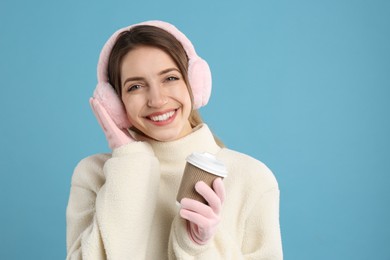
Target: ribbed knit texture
(123,206)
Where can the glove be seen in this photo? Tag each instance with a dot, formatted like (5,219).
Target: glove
(115,136)
(203,219)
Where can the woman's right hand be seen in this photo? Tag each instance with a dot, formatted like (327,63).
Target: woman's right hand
(203,219)
(115,136)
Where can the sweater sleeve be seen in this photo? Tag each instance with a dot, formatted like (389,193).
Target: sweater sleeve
(109,199)
(261,239)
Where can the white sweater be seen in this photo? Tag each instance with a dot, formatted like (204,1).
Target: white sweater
(122,206)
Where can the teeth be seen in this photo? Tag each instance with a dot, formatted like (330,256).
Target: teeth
(162,117)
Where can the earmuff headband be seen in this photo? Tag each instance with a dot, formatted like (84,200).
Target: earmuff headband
(199,74)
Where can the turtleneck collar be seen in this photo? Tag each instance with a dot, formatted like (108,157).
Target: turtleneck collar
(200,140)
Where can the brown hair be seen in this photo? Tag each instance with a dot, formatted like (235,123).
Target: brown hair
(147,35)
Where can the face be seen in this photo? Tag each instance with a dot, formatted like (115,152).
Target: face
(155,94)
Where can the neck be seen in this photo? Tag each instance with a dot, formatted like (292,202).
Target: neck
(200,140)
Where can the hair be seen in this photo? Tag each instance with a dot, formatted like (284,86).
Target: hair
(147,35)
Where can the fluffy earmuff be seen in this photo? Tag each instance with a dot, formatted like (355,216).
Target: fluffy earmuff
(198,73)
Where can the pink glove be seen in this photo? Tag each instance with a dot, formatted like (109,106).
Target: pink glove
(204,219)
(116,137)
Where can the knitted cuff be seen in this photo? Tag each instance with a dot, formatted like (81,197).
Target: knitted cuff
(133,148)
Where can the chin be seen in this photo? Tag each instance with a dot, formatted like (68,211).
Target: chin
(167,135)
(165,138)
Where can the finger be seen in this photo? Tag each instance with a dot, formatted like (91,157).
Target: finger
(198,235)
(219,189)
(92,102)
(105,118)
(115,136)
(209,195)
(197,206)
(195,218)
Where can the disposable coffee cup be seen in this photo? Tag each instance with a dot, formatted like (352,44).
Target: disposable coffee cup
(199,167)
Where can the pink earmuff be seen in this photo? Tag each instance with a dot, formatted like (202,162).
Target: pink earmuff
(198,73)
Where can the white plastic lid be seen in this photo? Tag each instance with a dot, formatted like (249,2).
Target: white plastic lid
(207,162)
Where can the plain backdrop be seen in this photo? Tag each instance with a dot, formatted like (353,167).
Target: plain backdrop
(303,86)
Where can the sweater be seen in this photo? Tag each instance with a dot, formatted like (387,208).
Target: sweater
(123,205)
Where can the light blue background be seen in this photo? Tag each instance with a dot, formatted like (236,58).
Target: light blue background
(303,86)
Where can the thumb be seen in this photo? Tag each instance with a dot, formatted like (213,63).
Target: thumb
(94,103)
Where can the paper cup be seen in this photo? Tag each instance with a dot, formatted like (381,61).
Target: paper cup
(199,167)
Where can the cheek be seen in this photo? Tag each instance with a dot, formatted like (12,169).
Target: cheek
(130,108)
(185,96)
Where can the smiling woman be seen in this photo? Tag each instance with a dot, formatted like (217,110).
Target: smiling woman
(155,95)
(123,205)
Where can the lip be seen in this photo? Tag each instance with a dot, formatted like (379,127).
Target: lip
(165,122)
(161,112)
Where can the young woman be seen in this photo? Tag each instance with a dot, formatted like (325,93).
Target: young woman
(123,205)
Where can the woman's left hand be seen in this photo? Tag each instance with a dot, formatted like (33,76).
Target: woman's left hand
(203,219)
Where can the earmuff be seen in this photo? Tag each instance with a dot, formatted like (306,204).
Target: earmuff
(199,75)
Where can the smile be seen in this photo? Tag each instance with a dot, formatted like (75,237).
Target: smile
(162,117)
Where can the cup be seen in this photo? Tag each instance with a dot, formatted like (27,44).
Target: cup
(199,167)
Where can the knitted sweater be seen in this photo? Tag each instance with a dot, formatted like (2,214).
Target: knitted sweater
(122,205)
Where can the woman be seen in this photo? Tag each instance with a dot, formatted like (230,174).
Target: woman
(122,205)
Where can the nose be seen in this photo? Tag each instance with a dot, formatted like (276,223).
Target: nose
(156,96)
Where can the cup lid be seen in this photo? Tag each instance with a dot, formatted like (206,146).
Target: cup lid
(207,162)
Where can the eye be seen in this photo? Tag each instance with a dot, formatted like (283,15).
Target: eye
(172,78)
(133,88)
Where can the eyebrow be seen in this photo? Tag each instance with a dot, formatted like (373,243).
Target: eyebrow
(132,79)
(168,70)
(141,78)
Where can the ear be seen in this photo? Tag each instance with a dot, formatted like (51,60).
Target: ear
(107,96)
